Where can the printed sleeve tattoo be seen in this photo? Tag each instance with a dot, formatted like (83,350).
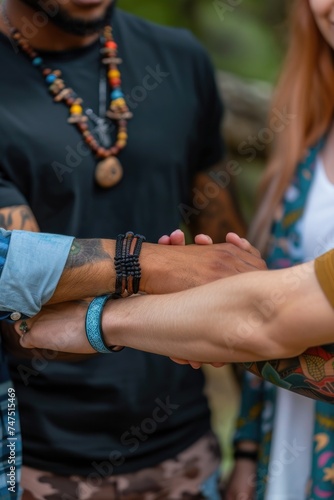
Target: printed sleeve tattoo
(18,217)
(311,374)
(86,252)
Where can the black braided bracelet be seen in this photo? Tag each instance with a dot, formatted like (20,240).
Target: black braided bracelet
(247,455)
(128,272)
(137,270)
(118,265)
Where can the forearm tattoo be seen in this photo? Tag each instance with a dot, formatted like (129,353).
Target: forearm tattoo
(86,252)
(18,217)
(311,374)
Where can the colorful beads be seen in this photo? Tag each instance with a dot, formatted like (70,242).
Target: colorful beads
(115,82)
(37,61)
(51,78)
(118,110)
(114,73)
(76,109)
(119,103)
(110,44)
(122,136)
(57,86)
(116,94)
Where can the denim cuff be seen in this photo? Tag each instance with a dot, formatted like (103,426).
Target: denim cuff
(33,267)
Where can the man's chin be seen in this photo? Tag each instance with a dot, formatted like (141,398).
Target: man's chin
(87,17)
(88,4)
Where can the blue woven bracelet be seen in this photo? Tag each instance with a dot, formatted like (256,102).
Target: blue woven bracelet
(94,325)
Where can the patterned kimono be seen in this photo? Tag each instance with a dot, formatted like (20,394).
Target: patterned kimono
(257,411)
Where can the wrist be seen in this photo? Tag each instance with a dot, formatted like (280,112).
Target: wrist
(246,450)
(112,324)
(251,456)
(153,262)
(166,269)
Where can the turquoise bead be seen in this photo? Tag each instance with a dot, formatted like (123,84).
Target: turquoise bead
(37,61)
(116,94)
(50,78)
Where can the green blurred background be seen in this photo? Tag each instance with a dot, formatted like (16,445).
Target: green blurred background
(245,38)
(242,36)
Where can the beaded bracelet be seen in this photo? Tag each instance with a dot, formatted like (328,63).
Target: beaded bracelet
(128,272)
(247,455)
(93,325)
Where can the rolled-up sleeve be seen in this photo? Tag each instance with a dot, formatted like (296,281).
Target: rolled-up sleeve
(4,244)
(31,270)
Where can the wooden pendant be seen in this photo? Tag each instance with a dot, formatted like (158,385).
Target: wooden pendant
(108,172)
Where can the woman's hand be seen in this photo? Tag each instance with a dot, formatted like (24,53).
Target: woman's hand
(178,238)
(196,364)
(59,327)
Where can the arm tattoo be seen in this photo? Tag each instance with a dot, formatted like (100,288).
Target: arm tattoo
(18,217)
(86,252)
(310,374)
(6,220)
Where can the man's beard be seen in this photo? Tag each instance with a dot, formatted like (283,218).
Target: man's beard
(70,24)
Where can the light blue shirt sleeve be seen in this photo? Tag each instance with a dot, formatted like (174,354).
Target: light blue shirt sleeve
(32,269)
(4,244)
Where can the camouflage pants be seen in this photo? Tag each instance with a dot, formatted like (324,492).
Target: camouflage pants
(191,475)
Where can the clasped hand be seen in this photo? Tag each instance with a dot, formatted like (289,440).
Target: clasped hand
(61,327)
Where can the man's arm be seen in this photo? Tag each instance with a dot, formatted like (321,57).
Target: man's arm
(219,213)
(89,268)
(212,206)
(18,217)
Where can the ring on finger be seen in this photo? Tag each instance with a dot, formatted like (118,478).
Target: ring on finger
(24,327)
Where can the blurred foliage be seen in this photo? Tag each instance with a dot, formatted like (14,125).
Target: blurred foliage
(245,37)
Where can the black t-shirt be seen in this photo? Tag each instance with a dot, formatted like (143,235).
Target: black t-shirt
(129,410)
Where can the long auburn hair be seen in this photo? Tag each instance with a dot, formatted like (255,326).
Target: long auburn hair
(306,90)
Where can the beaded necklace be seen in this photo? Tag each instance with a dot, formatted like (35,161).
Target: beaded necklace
(109,171)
